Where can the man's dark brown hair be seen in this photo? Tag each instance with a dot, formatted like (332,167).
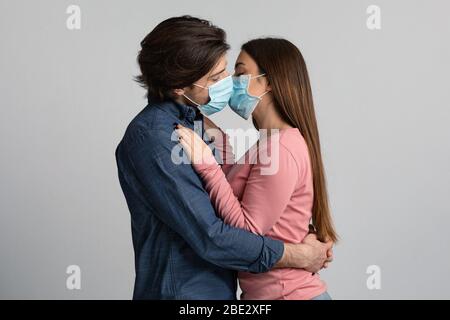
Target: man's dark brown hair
(178,52)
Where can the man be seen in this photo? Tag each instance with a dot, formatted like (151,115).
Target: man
(182,250)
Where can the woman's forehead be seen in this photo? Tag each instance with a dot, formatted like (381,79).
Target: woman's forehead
(245,60)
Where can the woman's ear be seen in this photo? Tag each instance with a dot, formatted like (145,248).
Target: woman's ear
(268,86)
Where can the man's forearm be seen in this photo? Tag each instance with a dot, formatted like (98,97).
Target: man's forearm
(311,255)
(292,257)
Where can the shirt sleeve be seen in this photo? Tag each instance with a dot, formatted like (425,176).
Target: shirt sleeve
(266,194)
(176,195)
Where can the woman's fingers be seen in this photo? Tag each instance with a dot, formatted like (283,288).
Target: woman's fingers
(186,148)
(193,139)
(196,149)
(189,144)
(184,133)
(188,134)
(330,253)
(189,131)
(186,144)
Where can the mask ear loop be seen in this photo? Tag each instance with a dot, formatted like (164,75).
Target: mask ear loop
(197,85)
(197,104)
(248,86)
(260,97)
(200,86)
(258,76)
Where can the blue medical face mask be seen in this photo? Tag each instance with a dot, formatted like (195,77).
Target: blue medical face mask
(219,95)
(241,101)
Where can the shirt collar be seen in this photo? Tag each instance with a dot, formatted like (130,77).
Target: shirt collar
(181,111)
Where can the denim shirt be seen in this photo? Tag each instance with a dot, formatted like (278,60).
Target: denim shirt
(182,249)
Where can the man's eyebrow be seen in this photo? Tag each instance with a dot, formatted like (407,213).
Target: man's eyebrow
(238,64)
(216,74)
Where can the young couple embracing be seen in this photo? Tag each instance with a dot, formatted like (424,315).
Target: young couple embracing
(199,226)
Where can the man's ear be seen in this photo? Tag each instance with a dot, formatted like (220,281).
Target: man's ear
(178,92)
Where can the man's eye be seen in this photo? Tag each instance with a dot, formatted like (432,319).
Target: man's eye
(215,79)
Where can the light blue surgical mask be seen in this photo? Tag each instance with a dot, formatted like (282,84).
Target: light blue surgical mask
(219,95)
(242,102)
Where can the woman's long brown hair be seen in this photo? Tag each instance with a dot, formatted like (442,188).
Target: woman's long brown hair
(286,72)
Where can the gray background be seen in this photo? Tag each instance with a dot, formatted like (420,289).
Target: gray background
(382,102)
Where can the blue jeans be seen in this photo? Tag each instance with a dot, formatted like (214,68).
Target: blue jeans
(323,296)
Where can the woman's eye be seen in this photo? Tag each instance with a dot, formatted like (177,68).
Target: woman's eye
(215,79)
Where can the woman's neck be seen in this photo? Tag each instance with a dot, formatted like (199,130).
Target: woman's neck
(268,118)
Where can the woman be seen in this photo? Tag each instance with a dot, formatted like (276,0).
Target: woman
(271,83)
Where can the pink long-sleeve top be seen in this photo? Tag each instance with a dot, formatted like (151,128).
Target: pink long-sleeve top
(271,194)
